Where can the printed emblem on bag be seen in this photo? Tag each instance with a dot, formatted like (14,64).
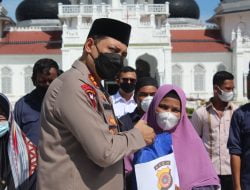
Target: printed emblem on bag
(90,91)
(165,180)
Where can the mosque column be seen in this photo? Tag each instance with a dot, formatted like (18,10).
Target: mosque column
(79,21)
(238,62)
(116,4)
(152,21)
(167,64)
(239,74)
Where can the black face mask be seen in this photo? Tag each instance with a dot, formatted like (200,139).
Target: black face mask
(108,65)
(127,87)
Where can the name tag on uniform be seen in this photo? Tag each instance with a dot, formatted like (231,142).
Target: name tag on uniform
(107,106)
(160,173)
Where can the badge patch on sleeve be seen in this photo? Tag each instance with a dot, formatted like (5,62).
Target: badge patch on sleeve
(90,91)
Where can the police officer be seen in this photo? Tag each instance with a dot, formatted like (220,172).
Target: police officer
(80,146)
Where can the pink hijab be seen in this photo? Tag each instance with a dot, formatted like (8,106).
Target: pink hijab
(193,163)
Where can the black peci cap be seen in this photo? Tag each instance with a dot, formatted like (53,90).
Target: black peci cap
(145,81)
(111,28)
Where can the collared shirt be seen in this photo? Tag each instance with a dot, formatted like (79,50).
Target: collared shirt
(239,141)
(121,105)
(214,132)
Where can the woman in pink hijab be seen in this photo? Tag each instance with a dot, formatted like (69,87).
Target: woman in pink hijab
(175,134)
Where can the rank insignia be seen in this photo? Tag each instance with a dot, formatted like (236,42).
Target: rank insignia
(112,121)
(90,91)
(92,79)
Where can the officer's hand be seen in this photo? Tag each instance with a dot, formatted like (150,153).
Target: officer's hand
(146,131)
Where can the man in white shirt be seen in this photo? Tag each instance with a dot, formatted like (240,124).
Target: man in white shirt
(123,100)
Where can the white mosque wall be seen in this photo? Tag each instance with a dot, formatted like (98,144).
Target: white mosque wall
(69,55)
(210,62)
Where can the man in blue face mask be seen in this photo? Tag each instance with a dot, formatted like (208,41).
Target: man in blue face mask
(212,122)
(81,147)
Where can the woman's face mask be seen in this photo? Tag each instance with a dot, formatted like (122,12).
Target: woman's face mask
(4,128)
(166,120)
(168,113)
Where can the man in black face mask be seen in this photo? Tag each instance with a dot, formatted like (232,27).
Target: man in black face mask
(81,147)
(123,100)
(27,109)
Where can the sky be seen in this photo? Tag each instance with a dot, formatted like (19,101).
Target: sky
(206,7)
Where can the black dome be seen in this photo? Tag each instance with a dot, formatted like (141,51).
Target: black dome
(38,9)
(182,8)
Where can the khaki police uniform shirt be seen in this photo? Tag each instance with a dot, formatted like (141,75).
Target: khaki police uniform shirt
(77,149)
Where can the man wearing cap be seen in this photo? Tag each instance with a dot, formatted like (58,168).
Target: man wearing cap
(80,146)
(145,90)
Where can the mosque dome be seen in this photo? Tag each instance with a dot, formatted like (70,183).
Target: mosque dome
(38,9)
(182,8)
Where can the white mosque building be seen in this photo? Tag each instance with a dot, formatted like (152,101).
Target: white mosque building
(168,41)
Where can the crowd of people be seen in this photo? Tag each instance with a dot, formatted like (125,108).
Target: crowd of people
(68,133)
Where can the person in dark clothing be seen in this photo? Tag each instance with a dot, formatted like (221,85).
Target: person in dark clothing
(18,158)
(239,147)
(239,144)
(145,89)
(6,179)
(27,109)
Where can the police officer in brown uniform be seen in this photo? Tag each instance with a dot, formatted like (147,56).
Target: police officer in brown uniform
(81,147)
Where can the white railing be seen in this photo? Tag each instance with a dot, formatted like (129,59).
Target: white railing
(70,9)
(84,10)
(104,9)
(158,9)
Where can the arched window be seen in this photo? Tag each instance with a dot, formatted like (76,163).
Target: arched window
(221,67)
(28,84)
(6,76)
(199,78)
(177,75)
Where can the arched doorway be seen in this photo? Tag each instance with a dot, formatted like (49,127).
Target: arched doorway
(146,65)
